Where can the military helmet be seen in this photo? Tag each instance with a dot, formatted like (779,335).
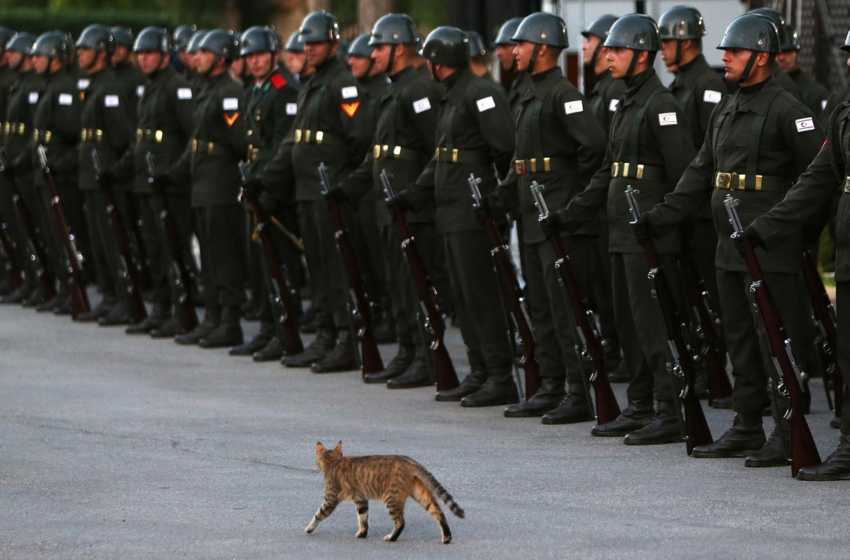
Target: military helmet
(638,32)
(506,32)
(153,39)
(97,37)
(278,39)
(543,28)
(792,39)
(360,46)
(70,45)
(751,32)
(123,35)
(778,21)
(5,35)
(221,42)
(195,41)
(21,42)
(446,45)
(600,26)
(680,23)
(393,29)
(294,43)
(319,27)
(846,46)
(258,39)
(182,35)
(476,44)
(52,44)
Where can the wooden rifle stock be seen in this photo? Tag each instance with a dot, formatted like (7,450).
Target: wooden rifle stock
(179,271)
(607,409)
(371,357)
(12,271)
(434,323)
(512,294)
(280,290)
(804,452)
(698,432)
(129,273)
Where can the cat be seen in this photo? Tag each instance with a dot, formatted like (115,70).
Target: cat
(387,478)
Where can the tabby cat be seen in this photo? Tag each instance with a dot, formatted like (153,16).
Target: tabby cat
(387,478)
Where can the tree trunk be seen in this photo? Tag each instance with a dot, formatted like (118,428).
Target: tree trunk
(316,5)
(370,10)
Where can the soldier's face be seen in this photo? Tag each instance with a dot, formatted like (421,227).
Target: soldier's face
(787,60)
(734,63)
(381,56)
(668,53)
(505,54)
(150,61)
(204,61)
(619,59)
(121,54)
(296,61)
(85,57)
(360,66)
(522,52)
(14,58)
(318,53)
(259,64)
(40,62)
(589,47)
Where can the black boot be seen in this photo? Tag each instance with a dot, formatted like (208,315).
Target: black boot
(254,345)
(33,299)
(159,316)
(47,305)
(417,375)
(396,367)
(62,305)
(471,383)
(836,466)
(315,351)
(745,437)
(228,332)
(212,316)
(18,295)
(340,358)
(637,415)
(169,329)
(271,352)
(621,374)
(118,315)
(101,310)
(724,403)
(773,454)
(664,428)
(573,409)
(548,397)
(499,389)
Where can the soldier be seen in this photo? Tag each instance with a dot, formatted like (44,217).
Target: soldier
(776,72)
(475,131)
(165,126)
(272,107)
(560,145)
(478,55)
(759,141)
(130,76)
(8,76)
(296,59)
(649,147)
(330,128)
(520,82)
(814,95)
(197,79)
(210,165)
(180,39)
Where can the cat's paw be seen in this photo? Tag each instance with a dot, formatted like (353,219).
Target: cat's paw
(447,539)
(310,528)
(389,538)
(362,533)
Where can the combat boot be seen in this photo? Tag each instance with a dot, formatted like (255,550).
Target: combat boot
(724,403)
(228,332)
(33,299)
(212,316)
(101,310)
(573,409)
(471,383)
(773,454)
(637,414)
(315,351)
(62,305)
(499,389)
(18,295)
(836,466)
(548,397)
(169,329)
(118,315)
(260,341)
(159,316)
(417,375)
(745,437)
(47,305)
(664,427)
(270,352)
(396,367)
(340,358)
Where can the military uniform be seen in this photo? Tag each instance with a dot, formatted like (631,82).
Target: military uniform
(813,94)
(134,82)
(522,83)
(8,77)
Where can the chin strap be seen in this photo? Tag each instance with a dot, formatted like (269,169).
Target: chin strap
(533,58)
(678,58)
(748,68)
(390,62)
(632,65)
(595,55)
(434,73)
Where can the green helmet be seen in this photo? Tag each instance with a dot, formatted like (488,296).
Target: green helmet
(223,43)
(21,42)
(360,46)
(5,35)
(543,28)
(153,39)
(792,40)
(446,45)
(506,32)
(393,29)
(319,27)
(638,32)
(680,23)
(751,32)
(294,43)
(195,41)
(52,44)
(778,21)
(97,37)
(846,46)
(258,39)
(476,44)
(123,36)
(600,26)
(182,35)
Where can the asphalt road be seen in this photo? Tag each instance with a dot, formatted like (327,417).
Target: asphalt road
(120,447)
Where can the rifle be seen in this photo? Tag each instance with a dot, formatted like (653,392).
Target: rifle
(361,312)
(128,273)
(433,319)
(826,323)
(707,322)
(79,297)
(137,245)
(697,430)
(36,251)
(804,452)
(12,270)
(280,290)
(512,294)
(592,343)
(178,271)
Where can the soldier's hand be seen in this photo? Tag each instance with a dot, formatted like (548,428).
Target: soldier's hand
(551,224)
(402,201)
(253,187)
(748,235)
(642,229)
(481,211)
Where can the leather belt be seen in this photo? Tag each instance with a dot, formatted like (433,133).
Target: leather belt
(640,171)
(540,165)
(91,135)
(253,154)
(43,136)
(381,151)
(449,155)
(149,134)
(15,128)
(737,182)
(202,147)
(318,137)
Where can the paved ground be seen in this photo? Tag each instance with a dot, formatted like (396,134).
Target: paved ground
(119,447)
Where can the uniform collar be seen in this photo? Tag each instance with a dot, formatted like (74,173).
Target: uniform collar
(757,97)
(398,76)
(640,87)
(457,82)
(544,81)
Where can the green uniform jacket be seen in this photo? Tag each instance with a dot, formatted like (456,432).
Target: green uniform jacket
(406,119)
(813,194)
(8,78)
(605,98)
(814,95)
(134,82)
(554,122)
(106,125)
(784,81)
(835,99)
(22,104)
(476,120)
(57,124)
(789,140)
(272,107)
(219,143)
(699,89)
(522,83)
(663,145)
(374,88)
(329,102)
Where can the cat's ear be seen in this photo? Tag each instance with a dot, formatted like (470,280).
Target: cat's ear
(319,448)
(338,448)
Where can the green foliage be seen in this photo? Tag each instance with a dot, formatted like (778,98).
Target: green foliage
(38,21)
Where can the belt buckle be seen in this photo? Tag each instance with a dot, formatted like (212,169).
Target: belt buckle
(519,166)
(547,164)
(98,134)
(533,162)
(625,170)
(397,152)
(139,134)
(454,155)
(639,173)
(210,147)
(297,135)
(158,135)
(758,182)
(21,129)
(376,152)
(384,150)
(47,136)
(723,181)
(319,137)
(307,136)
(195,145)
(615,169)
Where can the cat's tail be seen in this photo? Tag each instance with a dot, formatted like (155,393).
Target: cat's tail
(434,486)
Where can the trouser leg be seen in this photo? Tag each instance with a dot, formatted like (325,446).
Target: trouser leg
(225,230)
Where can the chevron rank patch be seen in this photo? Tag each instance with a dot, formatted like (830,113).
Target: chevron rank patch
(230,119)
(351,108)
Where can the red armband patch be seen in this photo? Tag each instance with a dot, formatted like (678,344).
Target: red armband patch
(278,81)
(351,108)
